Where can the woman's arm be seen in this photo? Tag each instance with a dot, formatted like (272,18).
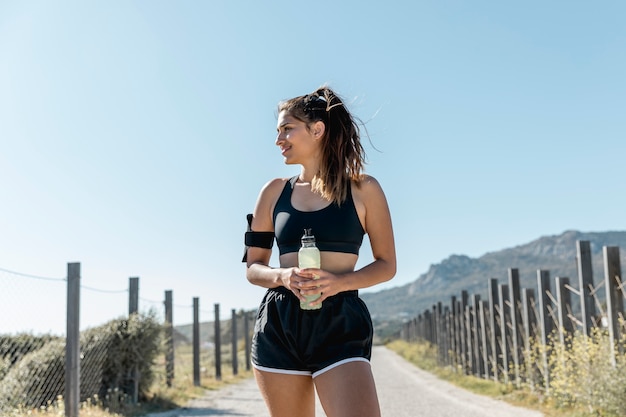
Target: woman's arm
(380,231)
(373,209)
(258,271)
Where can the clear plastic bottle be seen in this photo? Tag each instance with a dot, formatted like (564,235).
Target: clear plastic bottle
(309,257)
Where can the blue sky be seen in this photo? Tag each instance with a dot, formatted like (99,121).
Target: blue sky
(136,135)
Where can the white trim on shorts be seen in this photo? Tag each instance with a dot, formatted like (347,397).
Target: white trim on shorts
(308,373)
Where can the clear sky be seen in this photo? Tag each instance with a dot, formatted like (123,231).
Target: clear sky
(136,135)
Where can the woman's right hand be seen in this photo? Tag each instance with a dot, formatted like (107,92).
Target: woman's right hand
(291,280)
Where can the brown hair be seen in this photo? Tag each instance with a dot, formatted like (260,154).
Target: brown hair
(343,156)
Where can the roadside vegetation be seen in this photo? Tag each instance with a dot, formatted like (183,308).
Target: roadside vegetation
(108,352)
(585,380)
(161,398)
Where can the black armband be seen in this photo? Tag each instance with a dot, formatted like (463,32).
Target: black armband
(259,239)
(256,239)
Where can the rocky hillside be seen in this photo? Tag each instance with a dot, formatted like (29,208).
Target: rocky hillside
(458,272)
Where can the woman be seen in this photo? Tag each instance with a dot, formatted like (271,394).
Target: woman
(294,350)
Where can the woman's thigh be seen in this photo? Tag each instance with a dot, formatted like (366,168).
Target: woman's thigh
(348,390)
(287,395)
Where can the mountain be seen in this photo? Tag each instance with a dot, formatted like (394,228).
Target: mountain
(556,254)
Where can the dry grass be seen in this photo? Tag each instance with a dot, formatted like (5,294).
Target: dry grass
(584,381)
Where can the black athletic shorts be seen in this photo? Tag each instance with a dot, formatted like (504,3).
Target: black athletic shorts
(290,340)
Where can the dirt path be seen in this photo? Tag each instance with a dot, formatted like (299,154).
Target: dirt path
(403,389)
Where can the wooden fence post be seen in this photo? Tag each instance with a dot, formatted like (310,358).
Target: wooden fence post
(169,338)
(471,363)
(246,337)
(463,331)
(505,344)
(494,320)
(133,295)
(133,308)
(458,320)
(585,281)
(420,328)
(451,330)
(441,333)
(233,333)
(530,333)
(446,331)
(566,327)
(407,329)
(545,323)
(516,322)
(433,325)
(476,332)
(218,344)
(484,337)
(453,333)
(614,295)
(196,341)
(435,329)
(72,341)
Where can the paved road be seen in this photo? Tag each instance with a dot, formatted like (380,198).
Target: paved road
(404,391)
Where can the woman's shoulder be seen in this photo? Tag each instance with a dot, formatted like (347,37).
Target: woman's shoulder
(367,190)
(368,184)
(272,189)
(266,201)
(274,185)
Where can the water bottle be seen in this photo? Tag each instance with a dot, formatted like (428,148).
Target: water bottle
(309,257)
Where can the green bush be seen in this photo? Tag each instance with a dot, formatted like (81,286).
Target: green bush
(135,347)
(14,348)
(111,356)
(38,378)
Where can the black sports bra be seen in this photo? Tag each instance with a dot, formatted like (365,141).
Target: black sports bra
(336,228)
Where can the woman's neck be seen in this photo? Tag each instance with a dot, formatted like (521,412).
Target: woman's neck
(307,174)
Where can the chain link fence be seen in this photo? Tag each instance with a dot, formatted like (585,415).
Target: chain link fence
(120,360)
(31,354)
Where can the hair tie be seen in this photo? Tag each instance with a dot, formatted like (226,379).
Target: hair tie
(318,103)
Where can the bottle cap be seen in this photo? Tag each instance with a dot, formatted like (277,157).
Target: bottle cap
(308,236)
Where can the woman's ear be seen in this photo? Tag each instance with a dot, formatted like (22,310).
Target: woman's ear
(318,129)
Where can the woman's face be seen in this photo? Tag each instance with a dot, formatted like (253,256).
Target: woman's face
(296,142)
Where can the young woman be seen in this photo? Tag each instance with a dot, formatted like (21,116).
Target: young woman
(296,351)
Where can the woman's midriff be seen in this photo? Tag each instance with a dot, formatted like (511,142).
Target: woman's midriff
(335,262)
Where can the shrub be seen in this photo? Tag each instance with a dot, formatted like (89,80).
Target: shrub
(111,356)
(135,347)
(14,348)
(585,376)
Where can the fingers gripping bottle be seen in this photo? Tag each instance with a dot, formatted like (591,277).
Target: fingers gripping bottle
(309,257)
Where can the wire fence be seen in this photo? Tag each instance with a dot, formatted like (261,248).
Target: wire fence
(48,360)
(509,336)
(28,297)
